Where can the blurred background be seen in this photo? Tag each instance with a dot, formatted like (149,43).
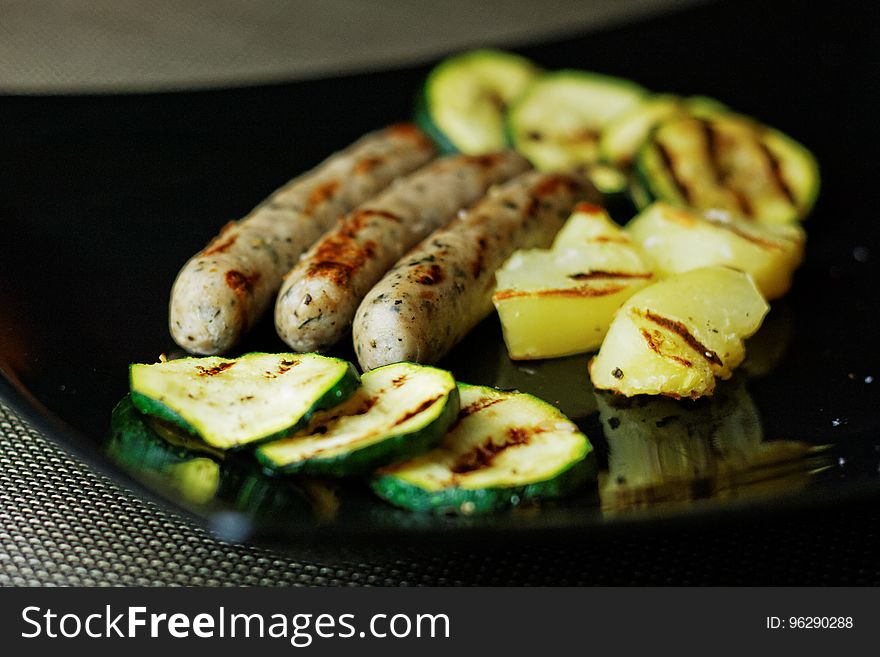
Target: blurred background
(57,46)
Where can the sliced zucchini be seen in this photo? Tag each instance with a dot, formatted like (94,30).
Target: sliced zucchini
(463,102)
(557,121)
(231,403)
(730,163)
(399,411)
(505,448)
(623,136)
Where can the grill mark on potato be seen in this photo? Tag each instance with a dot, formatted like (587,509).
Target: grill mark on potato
(218,244)
(669,164)
(586,291)
(739,232)
(599,274)
(213,371)
(425,405)
(482,456)
(778,176)
(682,331)
(655,347)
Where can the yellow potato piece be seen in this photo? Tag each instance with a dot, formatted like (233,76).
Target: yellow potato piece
(561,301)
(675,337)
(675,240)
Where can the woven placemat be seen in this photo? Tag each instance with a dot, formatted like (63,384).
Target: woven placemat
(61,523)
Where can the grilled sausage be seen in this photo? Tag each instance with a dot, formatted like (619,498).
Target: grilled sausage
(319,298)
(442,288)
(221,292)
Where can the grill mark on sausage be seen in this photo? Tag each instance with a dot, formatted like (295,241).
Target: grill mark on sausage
(322,193)
(367,164)
(655,347)
(432,275)
(578,292)
(409,131)
(588,208)
(479,259)
(669,164)
(218,244)
(241,284)
(339,255)
(213,371)
(425,405)
(482,456)
(778,176)
(599,274)
(681,330)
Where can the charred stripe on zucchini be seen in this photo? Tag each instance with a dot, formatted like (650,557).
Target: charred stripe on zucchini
(231,403)
(399,411)
(504,449)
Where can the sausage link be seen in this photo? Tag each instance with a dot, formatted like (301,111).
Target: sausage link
(320,295)
(222,291)
(442,288)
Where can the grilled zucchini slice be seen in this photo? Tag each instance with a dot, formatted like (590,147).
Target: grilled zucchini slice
(464,99)
(557,121)
(730,163)
(623,136)
(505,448)
(232,403)
(399,411)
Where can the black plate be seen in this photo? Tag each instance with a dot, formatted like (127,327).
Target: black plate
(103,199)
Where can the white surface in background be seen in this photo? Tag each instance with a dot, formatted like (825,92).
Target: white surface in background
(116,45)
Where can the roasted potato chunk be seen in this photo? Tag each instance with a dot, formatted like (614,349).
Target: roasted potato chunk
(675,240)
(675,337)
(560,301)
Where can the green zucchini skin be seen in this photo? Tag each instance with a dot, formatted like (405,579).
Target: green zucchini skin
(395,448)
(197,473)
(511,73)
(462,501)
(422,119)
(474,435)
(381,444)
(343,388)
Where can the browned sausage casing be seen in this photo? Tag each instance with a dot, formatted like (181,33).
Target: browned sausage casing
(221,292)
(319,297)
(442,288)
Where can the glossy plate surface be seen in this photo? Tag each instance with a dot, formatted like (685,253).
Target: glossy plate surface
(104,198)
